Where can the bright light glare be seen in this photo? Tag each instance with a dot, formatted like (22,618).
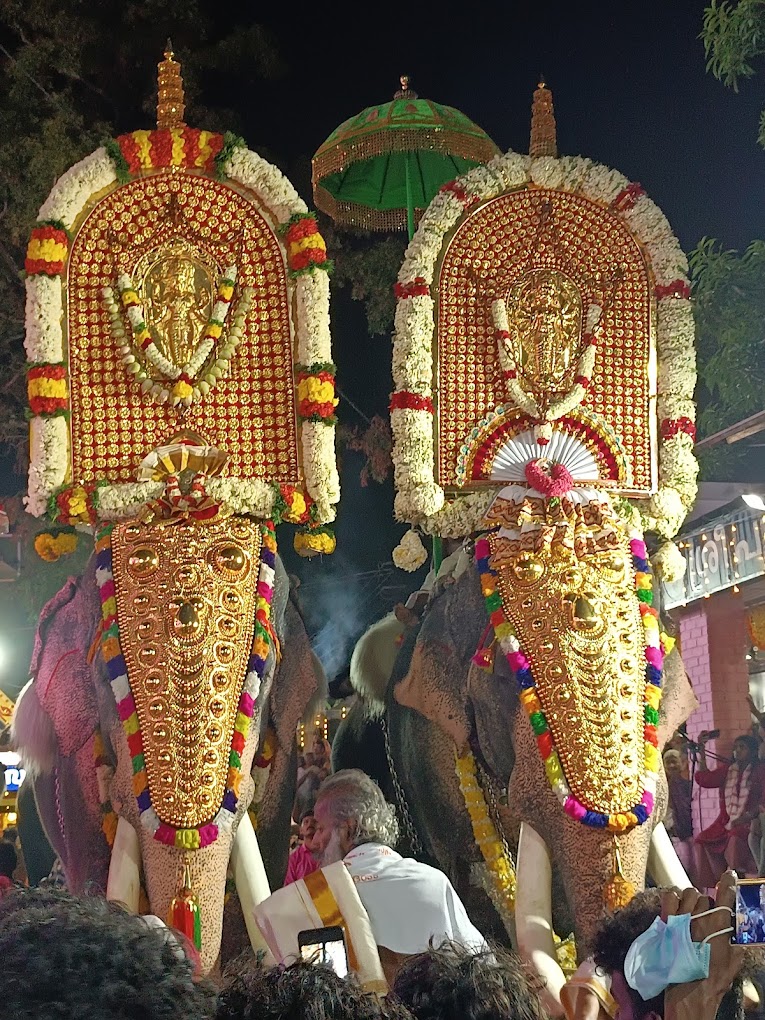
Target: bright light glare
(751,499)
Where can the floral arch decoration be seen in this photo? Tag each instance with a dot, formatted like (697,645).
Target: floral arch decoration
(481,390)
(177,317)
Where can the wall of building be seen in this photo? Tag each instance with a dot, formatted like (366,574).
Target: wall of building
(714,641)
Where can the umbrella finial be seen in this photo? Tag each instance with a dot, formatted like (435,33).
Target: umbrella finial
(405,92)
(170,98)
(543,141)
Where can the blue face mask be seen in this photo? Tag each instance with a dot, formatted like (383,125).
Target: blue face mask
(666,955)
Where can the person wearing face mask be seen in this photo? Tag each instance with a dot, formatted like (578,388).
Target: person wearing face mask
(668,956)
(725,843)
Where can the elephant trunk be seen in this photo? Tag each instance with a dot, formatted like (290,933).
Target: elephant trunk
(163,869)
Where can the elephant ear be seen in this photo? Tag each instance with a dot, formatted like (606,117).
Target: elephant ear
(299,679)
(434,680)
(678,700)
(55,728)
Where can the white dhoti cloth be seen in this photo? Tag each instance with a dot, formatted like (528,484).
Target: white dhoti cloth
(325,898)
(409,903)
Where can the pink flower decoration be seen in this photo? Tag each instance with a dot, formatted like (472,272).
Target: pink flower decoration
(654,656)
(517,660)
(573,808)
(551,479)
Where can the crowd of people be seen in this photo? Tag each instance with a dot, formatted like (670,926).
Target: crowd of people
(736,837)
(667,954)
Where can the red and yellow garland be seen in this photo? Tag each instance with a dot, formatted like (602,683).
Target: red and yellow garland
(316,392)
(184,147)
(306,248)
(47,390)
(47,250)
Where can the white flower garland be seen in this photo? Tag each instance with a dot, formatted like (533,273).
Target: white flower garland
(410,553)
(50,439)
(419,499)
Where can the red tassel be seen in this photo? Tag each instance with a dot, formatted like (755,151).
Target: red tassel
(183,914)
(484,654)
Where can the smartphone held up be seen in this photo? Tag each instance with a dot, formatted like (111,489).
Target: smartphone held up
(325,945)
(750,912)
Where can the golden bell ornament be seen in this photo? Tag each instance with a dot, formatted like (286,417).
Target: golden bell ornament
(618,891)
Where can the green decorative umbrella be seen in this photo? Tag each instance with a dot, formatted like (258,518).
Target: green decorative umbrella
(382,167)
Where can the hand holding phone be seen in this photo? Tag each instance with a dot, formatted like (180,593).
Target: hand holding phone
(325,945)
(750,912)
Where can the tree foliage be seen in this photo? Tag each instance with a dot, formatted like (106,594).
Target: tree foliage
(71,73)
(729,302)
(368,264)
(734,37)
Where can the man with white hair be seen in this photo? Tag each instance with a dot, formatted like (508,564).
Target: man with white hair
(408,903)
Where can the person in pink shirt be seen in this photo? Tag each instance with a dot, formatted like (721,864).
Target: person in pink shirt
(303,860)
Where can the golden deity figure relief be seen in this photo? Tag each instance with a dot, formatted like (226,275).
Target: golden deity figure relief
(178,293)
(544,313)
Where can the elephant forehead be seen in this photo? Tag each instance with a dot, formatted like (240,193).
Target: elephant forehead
(578,621)
(186,600)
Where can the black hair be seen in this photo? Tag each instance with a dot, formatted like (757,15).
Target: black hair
(457,983)
(9,859)
(66,957)
(617,933)
(751,742)
(302,991)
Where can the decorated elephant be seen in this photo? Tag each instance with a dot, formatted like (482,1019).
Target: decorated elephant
(78,752)
(182,407)
(544,368)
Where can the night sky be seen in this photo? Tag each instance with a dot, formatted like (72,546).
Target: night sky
(630,90)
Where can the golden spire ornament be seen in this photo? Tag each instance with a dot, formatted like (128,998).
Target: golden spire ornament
(543,141)
(170,98)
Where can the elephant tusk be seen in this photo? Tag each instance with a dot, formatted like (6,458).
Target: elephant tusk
(124,882)
(250,879)
(664,865)
(533,916)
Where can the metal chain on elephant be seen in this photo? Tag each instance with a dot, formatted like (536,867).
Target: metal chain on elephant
(403,808)
(490,793)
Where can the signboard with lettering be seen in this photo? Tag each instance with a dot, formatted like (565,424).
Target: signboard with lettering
(723,553)
(14,773)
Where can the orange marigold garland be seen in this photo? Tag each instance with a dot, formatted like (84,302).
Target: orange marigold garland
(51,547)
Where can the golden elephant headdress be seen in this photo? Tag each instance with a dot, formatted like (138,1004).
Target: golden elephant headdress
(543,311)
(178,318)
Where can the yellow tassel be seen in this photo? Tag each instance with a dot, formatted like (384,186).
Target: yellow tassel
(618,891)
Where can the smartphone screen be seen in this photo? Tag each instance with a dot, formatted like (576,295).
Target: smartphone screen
(750,912)
(325,945)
